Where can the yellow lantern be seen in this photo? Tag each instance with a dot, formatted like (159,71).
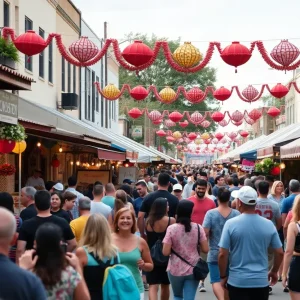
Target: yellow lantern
(197,141)
(187,55)
(20,147)
(167,94)
(177,135)
(110,92)
(205,136)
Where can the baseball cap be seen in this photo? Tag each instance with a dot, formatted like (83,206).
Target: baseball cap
(247,195)
(128,181)
(177,187)
(58,186)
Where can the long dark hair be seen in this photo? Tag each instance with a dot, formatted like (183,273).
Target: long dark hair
(184,213)
(7,201)
(51,261)
(120,200)
(60,198)
(158,210)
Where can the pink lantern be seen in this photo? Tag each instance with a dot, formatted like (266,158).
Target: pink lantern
(83,49)
(223,141)
(244,134)
(157,122)
(237,116)
(254,114)
(250,93)
(207,142)
(205,124)
(237,123)
(170,139)
(223,123)
(215,141)
(232,135)
(249,120)
(170,123)
(219,136)
(154,115)
(192,136)
(161,133)
(196,118)
(195,95)
(183,124)
(175,116)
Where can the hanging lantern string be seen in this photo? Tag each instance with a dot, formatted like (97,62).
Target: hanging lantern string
(84,52)
(249,94)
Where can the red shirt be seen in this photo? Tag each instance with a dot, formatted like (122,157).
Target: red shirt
(201,207)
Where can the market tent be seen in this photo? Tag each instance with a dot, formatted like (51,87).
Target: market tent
(291,150)
(250,155)
(277,138)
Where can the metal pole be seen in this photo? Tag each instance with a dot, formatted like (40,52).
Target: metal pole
(280,169)
(20,165)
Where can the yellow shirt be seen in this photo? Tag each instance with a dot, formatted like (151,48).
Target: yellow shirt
(78,225)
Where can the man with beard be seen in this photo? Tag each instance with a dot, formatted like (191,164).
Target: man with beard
(141,188)
(202,205)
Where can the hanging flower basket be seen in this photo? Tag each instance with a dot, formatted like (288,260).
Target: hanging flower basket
(267,167)
(7,170)
(12,132)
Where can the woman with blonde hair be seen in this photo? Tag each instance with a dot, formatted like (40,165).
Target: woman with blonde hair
(96,253)
(120,202)
(277,192)
(134,252)
(291,260)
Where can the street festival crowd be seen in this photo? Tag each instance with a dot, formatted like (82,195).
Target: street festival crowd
(182,227)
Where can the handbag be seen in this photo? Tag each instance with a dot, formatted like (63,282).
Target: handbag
(200,270)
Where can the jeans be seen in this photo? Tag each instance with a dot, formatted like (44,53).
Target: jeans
(184,287)
(236,293)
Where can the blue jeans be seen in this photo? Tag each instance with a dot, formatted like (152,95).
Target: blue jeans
(184,287)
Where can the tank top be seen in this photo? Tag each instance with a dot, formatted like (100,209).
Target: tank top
(129,259)
(153,236)
(297,241)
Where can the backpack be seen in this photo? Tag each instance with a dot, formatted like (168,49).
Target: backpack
(119,284)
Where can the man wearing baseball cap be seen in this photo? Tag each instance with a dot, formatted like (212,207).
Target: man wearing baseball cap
(247,238)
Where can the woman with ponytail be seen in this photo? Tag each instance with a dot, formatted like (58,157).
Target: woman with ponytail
(182,238)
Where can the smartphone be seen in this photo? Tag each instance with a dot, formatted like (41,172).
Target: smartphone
(64,247)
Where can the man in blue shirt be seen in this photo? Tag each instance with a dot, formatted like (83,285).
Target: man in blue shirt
(247,238)
(141,188)
(288,202)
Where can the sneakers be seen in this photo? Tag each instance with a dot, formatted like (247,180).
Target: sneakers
(286,289)
(270,290)
(146,286)
(201,287)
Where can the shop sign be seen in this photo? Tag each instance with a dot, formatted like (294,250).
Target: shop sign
(248,166)
(137,132)
(8,108)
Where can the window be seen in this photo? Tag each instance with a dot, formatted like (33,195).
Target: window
(69,77)
(63,74)
(41,55)
(93,96)
(50,62)
(5,14)
(28,60)
(97,96)
(74,78)
(87,94)
(102,111)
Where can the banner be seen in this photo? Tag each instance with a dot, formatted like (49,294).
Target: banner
(248,166)
(137,132)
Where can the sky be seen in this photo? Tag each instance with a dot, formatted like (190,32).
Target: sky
(204,21)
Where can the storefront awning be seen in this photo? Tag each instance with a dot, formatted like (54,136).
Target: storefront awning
(111,155)
(291,150)
(250,155)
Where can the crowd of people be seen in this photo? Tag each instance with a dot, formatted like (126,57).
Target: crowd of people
(161,231)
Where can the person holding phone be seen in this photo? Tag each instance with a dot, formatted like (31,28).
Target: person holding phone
(60,272)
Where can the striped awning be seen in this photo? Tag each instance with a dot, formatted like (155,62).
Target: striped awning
(291,150)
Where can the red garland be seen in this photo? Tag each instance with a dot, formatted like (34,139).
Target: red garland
(7,170)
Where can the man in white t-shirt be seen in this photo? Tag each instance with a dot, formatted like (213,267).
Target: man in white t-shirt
(35,180)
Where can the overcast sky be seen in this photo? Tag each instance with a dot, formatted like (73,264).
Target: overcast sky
(203,21)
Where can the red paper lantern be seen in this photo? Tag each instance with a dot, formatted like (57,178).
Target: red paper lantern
(170,123)
(223,141)
(196,117)
(30,43)
(232,135)
(7,146)
(244,134)
(157,122)
(205,124)
(207,142)
(192,136)
(83,49)
(250,93)
(279,91)
(195,95)
(217,116)
(175,116)
(273,112)
(249,120)
(222,94)
(135,113)
(219,136)
(275,171)
(239,123)
(170,139)
(223,123)
(137,54)
(237,116)
(236,54)
(285,53)
(55,163)
(139,93)
(184,124)
(161,133)
(154,115)
(255,114)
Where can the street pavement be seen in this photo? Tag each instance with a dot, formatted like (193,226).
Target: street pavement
(277,294)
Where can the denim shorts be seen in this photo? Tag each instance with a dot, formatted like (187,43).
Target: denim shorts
(214,272)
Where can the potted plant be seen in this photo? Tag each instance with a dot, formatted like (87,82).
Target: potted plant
(9,54)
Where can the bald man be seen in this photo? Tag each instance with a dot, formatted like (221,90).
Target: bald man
(15,283)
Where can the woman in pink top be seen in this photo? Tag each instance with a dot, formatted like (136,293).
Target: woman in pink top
(182,237)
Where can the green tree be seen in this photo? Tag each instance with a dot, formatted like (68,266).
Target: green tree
(161,74)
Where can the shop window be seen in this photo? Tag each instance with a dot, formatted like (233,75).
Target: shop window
(50,62)
(5,14)
(28,60)
(41,56)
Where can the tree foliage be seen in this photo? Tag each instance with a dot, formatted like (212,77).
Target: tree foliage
(161,75)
